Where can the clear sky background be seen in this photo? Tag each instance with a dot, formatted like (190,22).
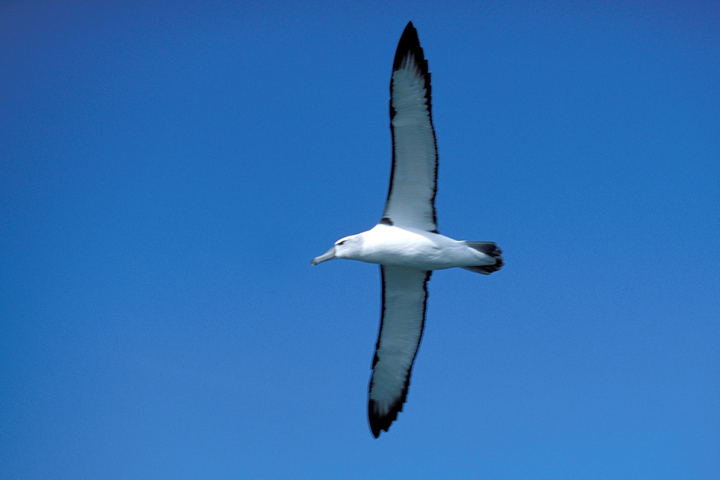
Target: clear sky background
(169,169)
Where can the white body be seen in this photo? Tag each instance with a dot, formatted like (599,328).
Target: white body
(409,247)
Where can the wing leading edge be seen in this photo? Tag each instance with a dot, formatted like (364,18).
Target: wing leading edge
(404,298)
(413,178)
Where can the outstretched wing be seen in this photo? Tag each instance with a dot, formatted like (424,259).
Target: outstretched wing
(404,297)
(413,179)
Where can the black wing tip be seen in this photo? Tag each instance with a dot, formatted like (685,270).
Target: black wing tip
(409,44)
(378,422)
(410,30)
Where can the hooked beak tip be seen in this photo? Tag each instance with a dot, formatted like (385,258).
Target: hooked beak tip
(329,255)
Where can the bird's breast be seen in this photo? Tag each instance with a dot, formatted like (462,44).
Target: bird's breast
(411,248)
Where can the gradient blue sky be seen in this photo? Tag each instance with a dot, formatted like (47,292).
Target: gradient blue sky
(169,169)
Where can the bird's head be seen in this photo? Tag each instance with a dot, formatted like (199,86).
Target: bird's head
(347,247)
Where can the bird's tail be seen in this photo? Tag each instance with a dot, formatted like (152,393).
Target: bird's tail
(492,251)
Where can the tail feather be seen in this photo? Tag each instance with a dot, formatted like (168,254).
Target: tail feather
(492,251)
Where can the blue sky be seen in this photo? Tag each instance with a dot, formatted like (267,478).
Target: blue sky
(169,169)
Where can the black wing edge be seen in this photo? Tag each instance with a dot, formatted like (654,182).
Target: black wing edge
(409,44)
(379,423)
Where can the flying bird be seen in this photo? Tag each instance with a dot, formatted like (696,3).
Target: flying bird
(406,243)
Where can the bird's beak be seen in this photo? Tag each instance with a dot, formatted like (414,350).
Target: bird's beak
(329,255)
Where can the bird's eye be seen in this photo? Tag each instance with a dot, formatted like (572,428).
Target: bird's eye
(340,242)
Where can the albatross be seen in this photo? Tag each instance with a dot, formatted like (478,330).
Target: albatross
(406,242)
